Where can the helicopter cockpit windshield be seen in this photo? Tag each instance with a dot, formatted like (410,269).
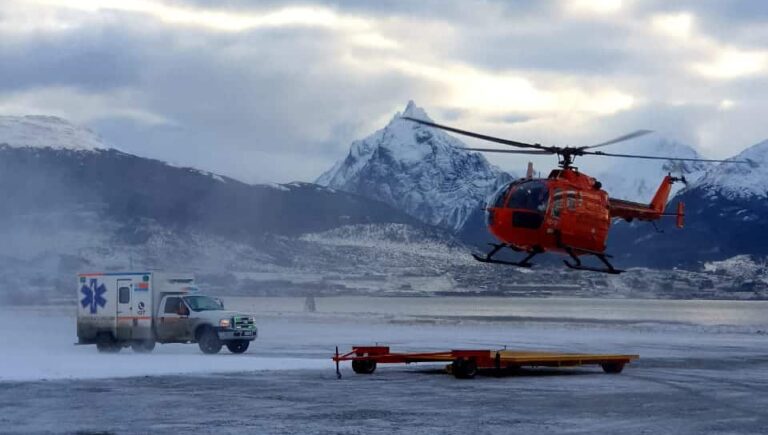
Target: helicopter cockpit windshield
(531,195)
(498,198)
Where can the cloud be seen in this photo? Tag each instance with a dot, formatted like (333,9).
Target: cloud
(276,90)
(80,107)
(678,25)
(361,31)
(732,63)
(715,59)
(594,6)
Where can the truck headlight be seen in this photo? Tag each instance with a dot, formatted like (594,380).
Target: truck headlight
(224,323)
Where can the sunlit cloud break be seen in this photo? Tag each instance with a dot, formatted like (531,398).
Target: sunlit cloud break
(363,30)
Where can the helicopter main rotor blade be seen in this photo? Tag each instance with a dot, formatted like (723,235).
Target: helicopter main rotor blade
(629,136)
(477,135)
(678,159)
(495,150)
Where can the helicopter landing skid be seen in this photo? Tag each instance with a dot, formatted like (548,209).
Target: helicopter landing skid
(600,256)
(488,258)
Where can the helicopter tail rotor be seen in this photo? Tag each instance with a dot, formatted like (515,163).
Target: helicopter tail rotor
(680,215)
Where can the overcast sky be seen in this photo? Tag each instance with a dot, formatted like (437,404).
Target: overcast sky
(276,90)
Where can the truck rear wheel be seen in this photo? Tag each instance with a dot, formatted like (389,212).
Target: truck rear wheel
(106,344)
(209,341)
(238,346)
(143,346)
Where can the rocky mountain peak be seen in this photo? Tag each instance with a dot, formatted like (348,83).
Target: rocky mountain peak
(420,170)
(413,111)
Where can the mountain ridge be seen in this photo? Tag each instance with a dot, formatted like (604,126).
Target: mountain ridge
(43,131)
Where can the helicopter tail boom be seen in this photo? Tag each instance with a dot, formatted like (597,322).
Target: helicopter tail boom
(629,210)
(659,201)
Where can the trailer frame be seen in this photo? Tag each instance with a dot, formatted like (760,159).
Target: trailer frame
(465,363)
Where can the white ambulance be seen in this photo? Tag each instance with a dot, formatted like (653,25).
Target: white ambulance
(139,309)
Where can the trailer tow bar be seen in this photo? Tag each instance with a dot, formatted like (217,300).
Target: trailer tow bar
(337,359)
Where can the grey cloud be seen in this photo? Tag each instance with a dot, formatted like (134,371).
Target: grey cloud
(432,9)
(93,59)
(235,98)
(572,48)
(734,21)
(284,104)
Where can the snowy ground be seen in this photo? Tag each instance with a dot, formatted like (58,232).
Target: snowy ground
(696,374)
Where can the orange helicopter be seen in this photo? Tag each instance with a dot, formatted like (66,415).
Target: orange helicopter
(568,212)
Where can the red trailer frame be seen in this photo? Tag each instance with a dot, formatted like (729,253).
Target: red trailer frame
(465,363)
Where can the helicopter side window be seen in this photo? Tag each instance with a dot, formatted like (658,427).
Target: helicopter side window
(573,199)
(532,195)
(557,203)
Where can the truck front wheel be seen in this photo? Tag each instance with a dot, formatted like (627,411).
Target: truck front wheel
(238,346)
(209,341)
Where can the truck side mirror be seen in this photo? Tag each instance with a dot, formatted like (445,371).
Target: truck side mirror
(220,302)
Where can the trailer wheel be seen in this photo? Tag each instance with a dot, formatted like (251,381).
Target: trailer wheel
(613,368)
(464,368)
(106,344)
(238,346)
(363,366)
(143,346)
(209,341)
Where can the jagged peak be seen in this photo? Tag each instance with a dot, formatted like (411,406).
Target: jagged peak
(413,111)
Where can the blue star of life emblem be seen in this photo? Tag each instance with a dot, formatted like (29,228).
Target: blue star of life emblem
(93,295)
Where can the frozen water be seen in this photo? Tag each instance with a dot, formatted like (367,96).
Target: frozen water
(699,371)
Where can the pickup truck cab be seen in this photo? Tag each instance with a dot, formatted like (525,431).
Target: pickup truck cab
(203,319)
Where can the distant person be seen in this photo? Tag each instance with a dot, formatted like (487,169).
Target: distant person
(309,304)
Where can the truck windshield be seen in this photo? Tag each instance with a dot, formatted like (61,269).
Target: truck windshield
(202,303)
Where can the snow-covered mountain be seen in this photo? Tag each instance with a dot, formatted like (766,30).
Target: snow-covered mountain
(420,170)
(740,181)
(637,180)
(37,131)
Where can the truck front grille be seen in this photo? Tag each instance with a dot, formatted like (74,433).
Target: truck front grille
(243,322)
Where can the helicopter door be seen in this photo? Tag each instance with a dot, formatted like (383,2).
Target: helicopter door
(567,208)
(557,203)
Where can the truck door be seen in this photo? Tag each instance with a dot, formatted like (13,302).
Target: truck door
(173,320)
(125,318)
